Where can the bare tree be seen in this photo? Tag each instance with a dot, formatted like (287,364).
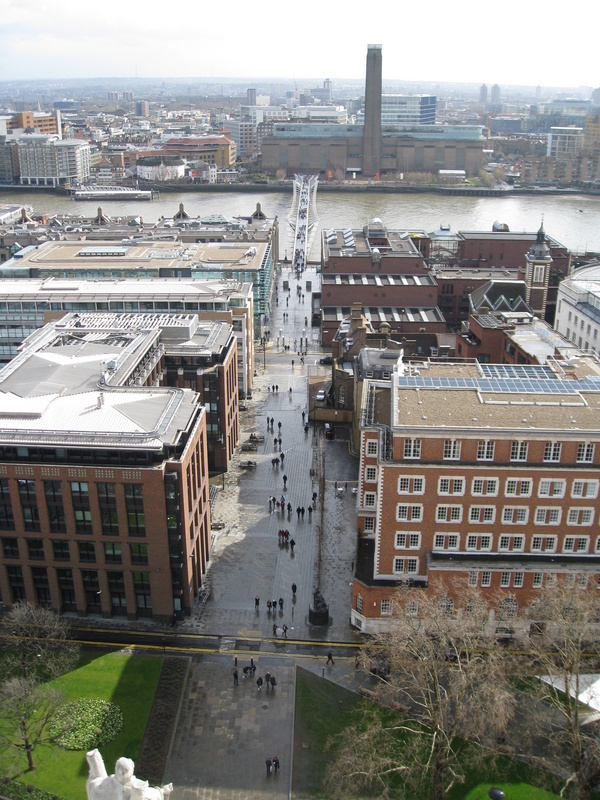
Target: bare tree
(563,627)
(26,707)
(442,683)
(37,643)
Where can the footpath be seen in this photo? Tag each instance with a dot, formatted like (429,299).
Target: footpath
(226,731)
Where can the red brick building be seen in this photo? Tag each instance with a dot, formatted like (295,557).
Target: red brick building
(104,469)
(487,473)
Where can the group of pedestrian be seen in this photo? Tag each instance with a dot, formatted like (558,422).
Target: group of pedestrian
(272,604)
(283,629)
(283,536)
(268,681)
(272,765)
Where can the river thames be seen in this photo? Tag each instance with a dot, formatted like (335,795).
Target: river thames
(573,220)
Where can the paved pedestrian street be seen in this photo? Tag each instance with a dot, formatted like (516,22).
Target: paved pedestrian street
(225,732)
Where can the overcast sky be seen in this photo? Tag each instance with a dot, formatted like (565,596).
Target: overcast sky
(513,42)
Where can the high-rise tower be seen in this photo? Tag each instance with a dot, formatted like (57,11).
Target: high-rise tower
(371,162)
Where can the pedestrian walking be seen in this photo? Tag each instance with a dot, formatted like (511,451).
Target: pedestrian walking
(314,498)
(259,683)
(268,763)
(298,511)
(302,512)
(279,425)
(310,510)
(294,587)
(256,602)
(276,387)
(279,441)
(275,442)
(275,763)
(281,603)
(273,683)
(274,604)
(282,456)
(285,630)
(306,428)
(267,680)
(303,415)
(330,658)
(292,368)
(292,544)
(289,508)
(235,677)
(284,481)
(274,629)
(268,606)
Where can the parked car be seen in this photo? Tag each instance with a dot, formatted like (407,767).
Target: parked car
(320,396)
(326,360)
(328,427)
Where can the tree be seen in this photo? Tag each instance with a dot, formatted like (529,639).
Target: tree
(563,626)
(446,700)
(26,709)
(36,643)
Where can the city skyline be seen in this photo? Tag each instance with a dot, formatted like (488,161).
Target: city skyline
(513,49)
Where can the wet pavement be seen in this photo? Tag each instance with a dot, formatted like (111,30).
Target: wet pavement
(225,732)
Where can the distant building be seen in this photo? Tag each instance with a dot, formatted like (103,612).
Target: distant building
(564,142)
(577,316)
(483,94)
(50,161)
(142,108)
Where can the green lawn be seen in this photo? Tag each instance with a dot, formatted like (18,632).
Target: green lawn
(130,682)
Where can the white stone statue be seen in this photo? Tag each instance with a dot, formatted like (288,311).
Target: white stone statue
(123,785)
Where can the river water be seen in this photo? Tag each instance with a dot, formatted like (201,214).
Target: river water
(573,220)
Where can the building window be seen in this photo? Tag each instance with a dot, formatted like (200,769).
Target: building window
(575,544)
(485,451)
(116,588)
(61,550)
(518,580)
(539,273)
(7,522)
(406,513)
(112,552)
(372,447)
(518,451)
(504,580)
(405,565)
(552,451)
(584,489)
(370,499)
(509,543)
(87,551)
(483,515)
(543,544)
(359,603)
(108,508)
(35,549)
(547,516)
(10,547)
(473,578)
(446,541)
(405,541)
(55,506)
(518,487)
(585,453)
(538,578)
(369,524)
(139,553)
(479,542)
(31,517)
(507,608)
(412,608)
(66,587)
(448,514)
(136,521)
(484,486)
(452,449)
(411,485)
(515,515)
(371,474)
(143,595)
(580,516)
(41,585)
(448,486)
(386,608)
(412,448)
(552,488)
(81,506)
